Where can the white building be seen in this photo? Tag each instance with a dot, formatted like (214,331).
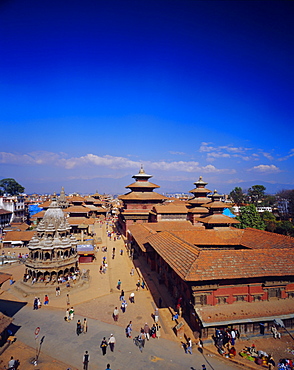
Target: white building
(15,205)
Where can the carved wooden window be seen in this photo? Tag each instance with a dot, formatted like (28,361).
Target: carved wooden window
(201,300)
(274,293)
(222,300)
(240,298)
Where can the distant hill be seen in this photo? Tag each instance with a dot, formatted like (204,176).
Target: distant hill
(117,186)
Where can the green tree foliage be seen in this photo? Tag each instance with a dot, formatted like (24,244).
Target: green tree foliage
(10,187)
(249,217)
(268,201)
(256,193)
(285,228)
(237,196)
(270,221)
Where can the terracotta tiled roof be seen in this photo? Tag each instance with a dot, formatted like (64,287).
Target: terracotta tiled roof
(171,208)
(170,225)
(75,199)
(77,209)
(180,256)
(38,215)
(18,236)
(195,264)
(218,219)
(150,195)
(200,200)
(142,184)
(141,233)
(20,226)
(244,312)
(217,205)
(176,201)
(253,238)
(45,204)
(198,210)
(200,191)
(90,199)
(237,264)
(231,236)
(80,220)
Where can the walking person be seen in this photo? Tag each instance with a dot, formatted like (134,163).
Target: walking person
(132,297)
(79,327)
(46,300)
(71,313)
(36,303)
(122,295)
(118,284)
(111,342)
(142,338)
(39,303)
(67,316)
(86,359)
(132,271)
(85,326)
(189,346)
(11,363)
(57,291)
(124,306)
(67,300)
(103,346)
(108,367)
(138,285)
(115,314)
(129,330)
(147,331)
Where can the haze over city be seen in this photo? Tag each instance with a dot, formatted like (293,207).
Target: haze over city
(92,90)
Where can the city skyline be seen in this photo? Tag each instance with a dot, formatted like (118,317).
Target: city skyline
(90,91)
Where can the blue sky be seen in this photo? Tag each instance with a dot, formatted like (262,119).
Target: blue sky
(90,90)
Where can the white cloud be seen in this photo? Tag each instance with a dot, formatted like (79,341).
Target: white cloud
(264,168)
(267,155)
(205,147)
(291,154)
(112,162)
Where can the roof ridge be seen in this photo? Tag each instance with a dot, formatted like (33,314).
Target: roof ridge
(268,232)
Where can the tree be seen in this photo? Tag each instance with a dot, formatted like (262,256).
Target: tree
(10,187)
(268,201)
(285,228)
(237,195)
(249,217)
(256,193)
(270,221)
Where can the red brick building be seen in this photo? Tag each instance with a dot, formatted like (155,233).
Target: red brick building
(222,275)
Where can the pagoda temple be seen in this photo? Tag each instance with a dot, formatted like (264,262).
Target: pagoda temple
(216,218)
(139,201)
(196,205)
(52,251)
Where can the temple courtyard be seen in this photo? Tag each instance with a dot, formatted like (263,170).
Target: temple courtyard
(63,349)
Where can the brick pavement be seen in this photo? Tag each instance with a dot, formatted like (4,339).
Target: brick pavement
(99,299)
